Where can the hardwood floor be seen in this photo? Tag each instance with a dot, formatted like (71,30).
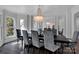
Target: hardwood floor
(16,48)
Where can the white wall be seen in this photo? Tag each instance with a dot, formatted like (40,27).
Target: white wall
(65,19)
(5,15)
(27,23)
(16,18)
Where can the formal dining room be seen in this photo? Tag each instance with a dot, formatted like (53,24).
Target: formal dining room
(39,29)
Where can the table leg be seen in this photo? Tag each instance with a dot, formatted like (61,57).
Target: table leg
(62,47)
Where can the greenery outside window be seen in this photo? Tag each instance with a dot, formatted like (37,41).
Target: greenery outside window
(10,26)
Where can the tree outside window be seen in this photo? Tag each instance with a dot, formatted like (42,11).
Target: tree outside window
(10,26)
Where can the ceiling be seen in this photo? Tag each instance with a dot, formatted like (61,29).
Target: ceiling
(47,10)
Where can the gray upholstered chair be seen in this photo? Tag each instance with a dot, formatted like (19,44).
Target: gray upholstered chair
(75,36)
(49,41)
(74,39)
(35,39)
(54,31)
(27,42)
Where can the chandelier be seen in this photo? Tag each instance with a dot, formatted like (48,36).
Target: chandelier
(39,17)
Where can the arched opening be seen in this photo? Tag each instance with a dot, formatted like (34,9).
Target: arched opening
(10,26)
(22,27)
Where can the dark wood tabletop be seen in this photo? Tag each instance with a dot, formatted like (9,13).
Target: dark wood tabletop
(67,40)
(64,41)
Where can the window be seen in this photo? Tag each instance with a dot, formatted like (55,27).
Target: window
(10,26)
(77,24)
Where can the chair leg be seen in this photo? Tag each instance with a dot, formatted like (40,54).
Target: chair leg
(38,50)
(28,48)
(17,40)
(24,47)
(43,50)
(22,42)
(71,49)
(33,50)
(74,50)
(58,50)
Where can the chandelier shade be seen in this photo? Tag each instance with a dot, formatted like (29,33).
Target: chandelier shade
(39,17)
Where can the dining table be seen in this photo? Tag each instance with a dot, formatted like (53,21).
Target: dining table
(56,40)
(64,43)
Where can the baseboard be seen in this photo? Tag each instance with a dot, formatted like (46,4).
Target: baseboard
(8,42)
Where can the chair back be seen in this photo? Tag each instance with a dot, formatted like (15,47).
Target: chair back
(75,36)
(45,29)
(35,39)
(54,31)
(25,37)
(18,32)
(48,40)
